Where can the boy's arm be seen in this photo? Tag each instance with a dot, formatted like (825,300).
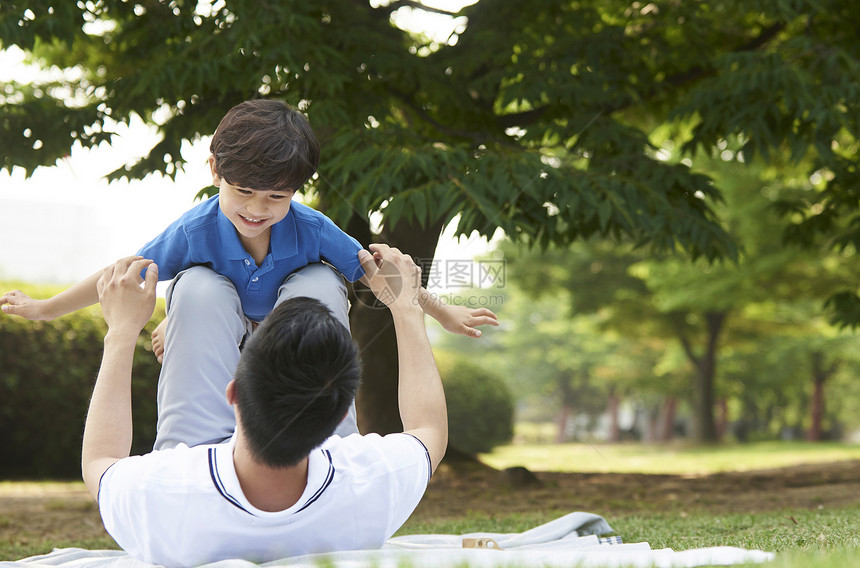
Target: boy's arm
(127,307)
(455,319)
(81,295)
(421,397)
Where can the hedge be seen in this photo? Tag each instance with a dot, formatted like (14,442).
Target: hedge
(480,406)
(47,372)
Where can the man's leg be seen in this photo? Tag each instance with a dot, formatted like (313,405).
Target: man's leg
(205,327)
(323,283)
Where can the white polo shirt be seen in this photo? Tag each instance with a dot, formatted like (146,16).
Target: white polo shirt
(185,507)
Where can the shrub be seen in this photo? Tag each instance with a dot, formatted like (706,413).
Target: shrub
(47,372)
(480,407)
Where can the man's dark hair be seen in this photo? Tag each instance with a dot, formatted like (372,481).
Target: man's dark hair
(265,145)
(295,381)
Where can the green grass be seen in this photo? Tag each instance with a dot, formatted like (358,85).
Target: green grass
(670,459)
(18,550)
(821,530)
(817,538)
(800,538)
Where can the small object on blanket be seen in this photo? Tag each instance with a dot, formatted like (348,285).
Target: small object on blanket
(487,543)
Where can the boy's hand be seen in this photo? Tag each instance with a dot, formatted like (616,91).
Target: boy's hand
(392,276)
(126,305)
(18,303)
(463,320)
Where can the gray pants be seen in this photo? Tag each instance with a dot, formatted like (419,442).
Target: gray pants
(205,328)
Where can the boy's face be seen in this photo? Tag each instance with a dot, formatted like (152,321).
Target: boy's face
(252,211)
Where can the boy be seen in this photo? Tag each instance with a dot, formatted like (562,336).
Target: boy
(262,152)
(281,486)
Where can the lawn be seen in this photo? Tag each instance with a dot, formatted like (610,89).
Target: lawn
(674,459)
(799,500)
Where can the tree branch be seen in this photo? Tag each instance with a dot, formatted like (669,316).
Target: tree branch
(527,118)
(475,136)
(418,6)
(521,118)
(688,349)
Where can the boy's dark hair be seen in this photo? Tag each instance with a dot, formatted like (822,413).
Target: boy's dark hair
(295,381)
(265,145)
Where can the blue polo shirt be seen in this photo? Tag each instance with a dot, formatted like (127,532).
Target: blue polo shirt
(204,236)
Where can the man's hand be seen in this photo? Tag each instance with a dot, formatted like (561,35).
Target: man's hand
(392,276)
(126,305)
(18,303)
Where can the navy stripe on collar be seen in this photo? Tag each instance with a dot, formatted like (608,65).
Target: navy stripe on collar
(219,485)
(329,478)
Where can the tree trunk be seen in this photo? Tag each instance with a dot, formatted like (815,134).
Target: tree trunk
(722,419)
(819,377)
(373,330)
(667,426)
(612,404)
(652,437)
(567,402)
(376,400)
(561,424)
(705,429)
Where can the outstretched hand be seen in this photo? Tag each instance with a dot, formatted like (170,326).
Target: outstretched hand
(463,321)
(18,303)
(127,306)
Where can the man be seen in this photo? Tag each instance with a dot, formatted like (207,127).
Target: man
(280,485)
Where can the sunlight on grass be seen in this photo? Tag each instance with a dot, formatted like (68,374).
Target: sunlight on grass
(41,488)
(684,460)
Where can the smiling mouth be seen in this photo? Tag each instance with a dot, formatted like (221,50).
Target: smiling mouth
(251,221)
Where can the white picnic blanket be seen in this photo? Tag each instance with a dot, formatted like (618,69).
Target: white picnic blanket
(568,542)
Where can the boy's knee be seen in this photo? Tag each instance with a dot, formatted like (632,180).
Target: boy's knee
(320,282)
(200,289)
(312,281)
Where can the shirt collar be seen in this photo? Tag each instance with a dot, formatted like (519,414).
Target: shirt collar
(320,476)
(283,243)
(285,237)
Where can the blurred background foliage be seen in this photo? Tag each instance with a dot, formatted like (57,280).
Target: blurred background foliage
(47,377)
(739,350)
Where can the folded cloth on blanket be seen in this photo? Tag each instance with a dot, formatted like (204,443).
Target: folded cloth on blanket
(571,541)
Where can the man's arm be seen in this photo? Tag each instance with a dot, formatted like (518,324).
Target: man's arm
(421,397)
(127,307)
(79,296)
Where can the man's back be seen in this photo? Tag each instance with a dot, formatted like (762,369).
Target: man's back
(185,506)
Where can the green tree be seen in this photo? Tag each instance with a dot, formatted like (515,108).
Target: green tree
(563,366)
(709,305)
(773,290)
(528,117)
